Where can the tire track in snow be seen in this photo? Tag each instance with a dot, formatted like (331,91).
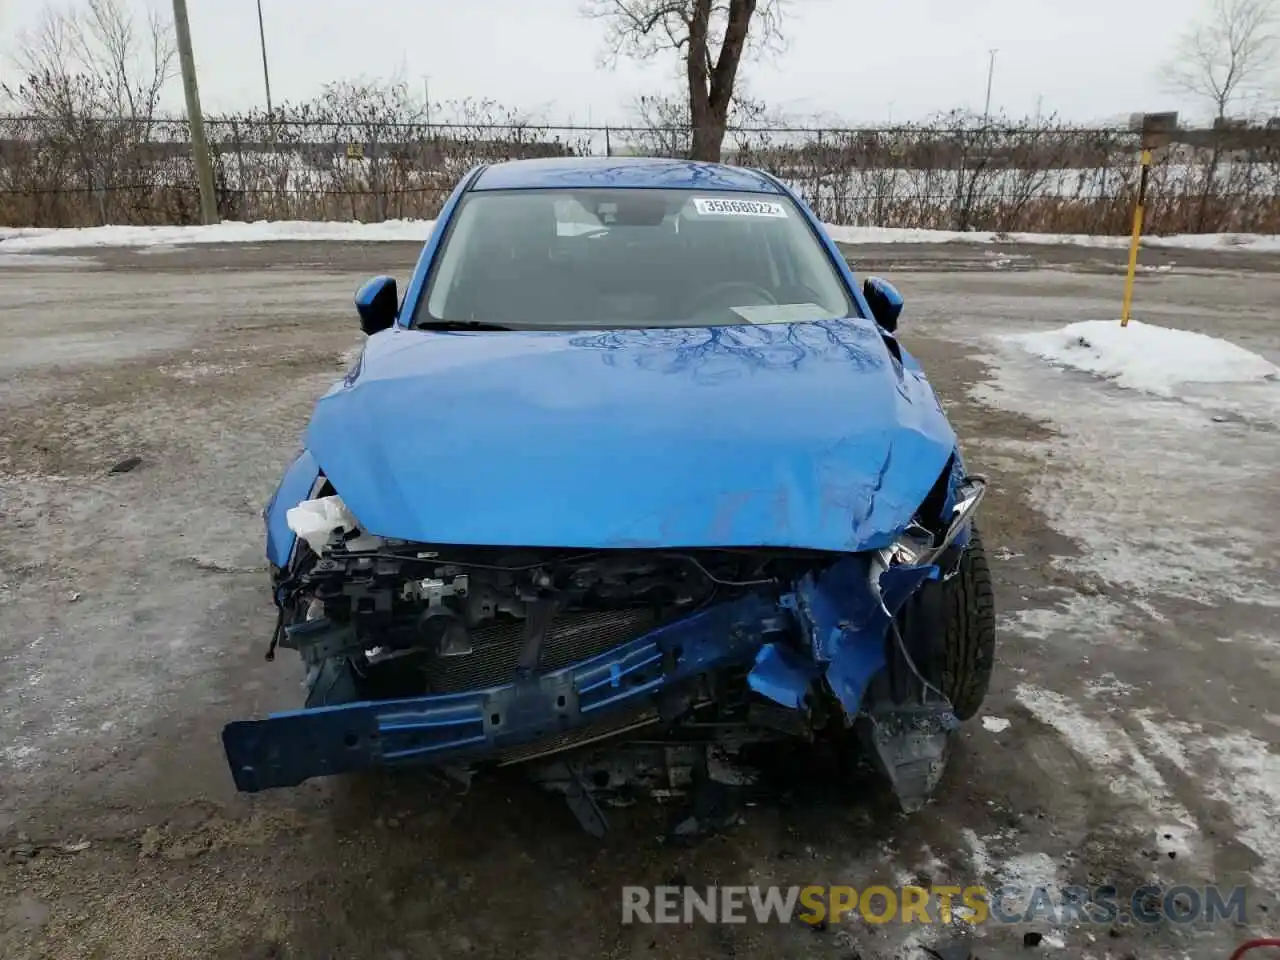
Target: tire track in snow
(1129,775)
(1235,769)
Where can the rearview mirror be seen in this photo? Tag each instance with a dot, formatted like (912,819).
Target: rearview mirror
(885,302)
(377,304)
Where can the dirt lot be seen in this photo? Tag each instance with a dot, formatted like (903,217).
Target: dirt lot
(1131,732)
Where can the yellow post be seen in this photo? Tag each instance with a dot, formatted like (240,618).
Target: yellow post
(1133,242)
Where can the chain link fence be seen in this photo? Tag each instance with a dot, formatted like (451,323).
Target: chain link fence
(1032,176)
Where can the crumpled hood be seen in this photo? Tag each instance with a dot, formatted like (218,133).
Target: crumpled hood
(788,435)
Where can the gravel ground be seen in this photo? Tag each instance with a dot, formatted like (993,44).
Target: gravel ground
(1131,731)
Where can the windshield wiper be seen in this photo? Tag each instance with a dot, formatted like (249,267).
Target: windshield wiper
(460,325)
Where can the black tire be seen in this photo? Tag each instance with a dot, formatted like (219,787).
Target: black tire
(969,636)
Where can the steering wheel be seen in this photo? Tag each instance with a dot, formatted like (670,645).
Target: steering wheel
(718,297)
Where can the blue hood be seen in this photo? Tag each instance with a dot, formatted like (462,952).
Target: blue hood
(788,435)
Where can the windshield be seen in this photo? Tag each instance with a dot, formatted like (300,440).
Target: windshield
(630,258)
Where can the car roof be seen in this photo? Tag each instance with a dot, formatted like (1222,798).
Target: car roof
(621,172)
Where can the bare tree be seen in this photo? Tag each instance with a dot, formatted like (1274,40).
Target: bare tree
(710,36)
(100,43)
(1230,53)
(666,127)
(92,81)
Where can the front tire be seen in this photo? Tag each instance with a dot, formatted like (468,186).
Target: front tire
(969,625)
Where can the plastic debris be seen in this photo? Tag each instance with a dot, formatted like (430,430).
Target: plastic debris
(315,520)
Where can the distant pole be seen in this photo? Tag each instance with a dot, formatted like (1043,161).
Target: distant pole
(266,74)
(426,95)
(199,145)
(991,69)
(1139,208)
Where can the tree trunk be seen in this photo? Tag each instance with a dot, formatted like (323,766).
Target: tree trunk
(711,88)
(1201,224)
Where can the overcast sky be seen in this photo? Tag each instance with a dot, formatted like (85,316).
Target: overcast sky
(861,60)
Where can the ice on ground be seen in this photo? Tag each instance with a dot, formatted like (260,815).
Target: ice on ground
(1147,357)
(1235,769)
(1128,772)
(1126,476)
(995,724)
(24,240)
(1076,620)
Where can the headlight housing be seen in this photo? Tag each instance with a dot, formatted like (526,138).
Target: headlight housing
(916,546)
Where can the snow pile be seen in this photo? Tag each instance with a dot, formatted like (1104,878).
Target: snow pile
(229,231)
(1146,357)
(416,231)
(1251,242)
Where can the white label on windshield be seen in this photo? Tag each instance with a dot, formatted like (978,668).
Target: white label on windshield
(782,312)
(716,206)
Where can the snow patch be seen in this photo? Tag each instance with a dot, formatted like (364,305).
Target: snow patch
(259,231)
(19,755)
(979,855)
(1028,871)
(1258,243)
(192,372)
(1108,685)
(1165,741)
(995,724)
(1075,618)
(1250,787)
(416,231)
(1020,869)
(1128,773)
(1126,477)
(1235,769)
(1147,357)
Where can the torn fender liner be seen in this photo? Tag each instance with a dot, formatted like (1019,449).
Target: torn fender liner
(842,617)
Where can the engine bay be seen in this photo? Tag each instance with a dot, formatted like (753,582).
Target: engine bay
(461,617)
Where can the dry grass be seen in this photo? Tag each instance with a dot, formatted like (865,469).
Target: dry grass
(354,158)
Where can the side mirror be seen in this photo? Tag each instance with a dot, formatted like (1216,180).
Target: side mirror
(377,304)
(885,302)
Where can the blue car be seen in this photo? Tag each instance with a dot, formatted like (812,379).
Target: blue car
(634,471)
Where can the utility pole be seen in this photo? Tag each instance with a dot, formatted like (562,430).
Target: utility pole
(266,74)
(991,69)
(199,145)
(426,95)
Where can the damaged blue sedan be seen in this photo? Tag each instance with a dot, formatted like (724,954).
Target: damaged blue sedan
(634,470)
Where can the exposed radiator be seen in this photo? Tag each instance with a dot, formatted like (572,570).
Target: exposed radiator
(572,637)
